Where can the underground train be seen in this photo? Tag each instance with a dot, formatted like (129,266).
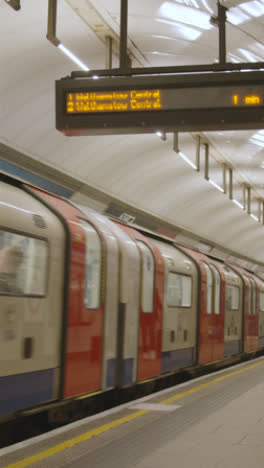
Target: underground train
(89,304)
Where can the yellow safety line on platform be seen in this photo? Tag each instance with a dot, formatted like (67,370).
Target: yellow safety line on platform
(99,430)
(77,440)
(212,382)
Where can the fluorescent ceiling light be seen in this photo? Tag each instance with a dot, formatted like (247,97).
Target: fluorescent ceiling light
(253,8)
(73,57)
(187,160)
(186,15)
(250,56)
(237,16)
(237,203)
(254,217)
(185,32)
(207,6)
(234,58)
(258,138)
(168,54)
(256,142)
(189,3)
(212,182)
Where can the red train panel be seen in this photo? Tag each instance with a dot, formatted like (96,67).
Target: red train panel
(211,336)
(84,327)
(150,330)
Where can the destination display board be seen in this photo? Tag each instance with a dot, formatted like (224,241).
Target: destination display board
(128,105)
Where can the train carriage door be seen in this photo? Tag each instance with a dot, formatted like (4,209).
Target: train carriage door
(92,309)
(209,332)
(261,316)
(218,316)
(252,316)
(149,358)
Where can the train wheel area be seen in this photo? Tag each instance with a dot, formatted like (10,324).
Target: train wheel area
(214,420)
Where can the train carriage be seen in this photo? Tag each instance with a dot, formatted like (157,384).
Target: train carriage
(32,250)
(89,305)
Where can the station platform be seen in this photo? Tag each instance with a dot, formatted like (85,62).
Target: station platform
(215,421)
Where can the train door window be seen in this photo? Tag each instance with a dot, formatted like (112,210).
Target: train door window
(23,265)
(179,290)
(253,297)
(232,297)
(249,296)
(261,301)
(147,278)
(217,289)
(209,289)
(93,263)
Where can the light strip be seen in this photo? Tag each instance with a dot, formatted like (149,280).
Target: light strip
(256,142)
(254,217)
(73,57)
(237,203)
(16,207)
(187,160)
(216,185)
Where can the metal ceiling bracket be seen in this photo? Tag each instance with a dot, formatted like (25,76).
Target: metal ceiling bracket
(15,4)
(206,161)
(176,142)
(52,23)
(123,62)
(109,52)
(220,22)
(198,153)
(224,167)
(222,33)
(244,197)
(249,200)
(230,170)
(259,209)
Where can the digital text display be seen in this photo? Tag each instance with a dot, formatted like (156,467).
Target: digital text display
(114,101)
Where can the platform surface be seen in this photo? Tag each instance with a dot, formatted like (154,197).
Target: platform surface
(215,421)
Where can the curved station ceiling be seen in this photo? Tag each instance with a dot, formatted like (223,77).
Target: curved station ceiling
(148,174)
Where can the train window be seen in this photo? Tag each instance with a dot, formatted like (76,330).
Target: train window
(217,289)
(179,290)
(23,265)
(147,278)
(261,301)
(209,289)
(93,262)
(232,297)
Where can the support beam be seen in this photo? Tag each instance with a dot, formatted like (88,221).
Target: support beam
(123,63)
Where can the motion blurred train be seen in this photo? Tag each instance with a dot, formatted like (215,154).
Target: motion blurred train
(89,304)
